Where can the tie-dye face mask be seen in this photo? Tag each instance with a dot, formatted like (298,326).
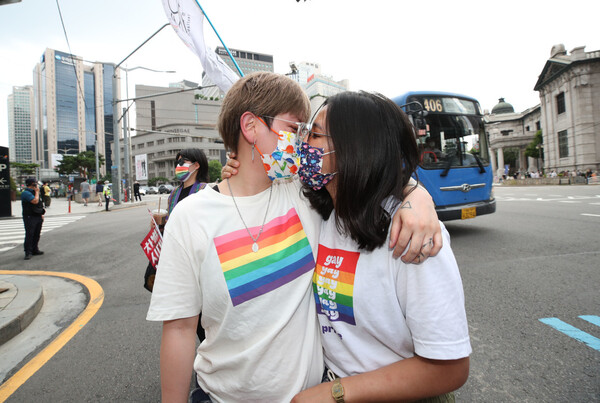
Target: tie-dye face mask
(284,161)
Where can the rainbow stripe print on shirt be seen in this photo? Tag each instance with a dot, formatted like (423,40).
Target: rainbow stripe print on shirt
(284,254)
(333,283)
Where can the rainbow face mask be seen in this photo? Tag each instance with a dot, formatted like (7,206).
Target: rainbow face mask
(182,172)
(284,161)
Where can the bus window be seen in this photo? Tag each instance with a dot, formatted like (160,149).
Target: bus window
(453,139)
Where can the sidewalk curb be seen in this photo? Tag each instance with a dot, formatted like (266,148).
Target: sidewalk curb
(22,309)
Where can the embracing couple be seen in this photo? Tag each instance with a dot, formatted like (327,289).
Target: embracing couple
(301,294)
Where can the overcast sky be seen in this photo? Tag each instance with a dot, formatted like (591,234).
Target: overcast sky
(485,49)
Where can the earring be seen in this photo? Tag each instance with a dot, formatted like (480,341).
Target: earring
(253,145)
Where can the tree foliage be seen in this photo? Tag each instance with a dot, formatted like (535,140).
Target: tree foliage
(83,163)
(24,168)
(532,149)
(511,155)
(214,170)
(157,180)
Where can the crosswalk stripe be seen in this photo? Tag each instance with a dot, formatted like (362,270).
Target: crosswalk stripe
(12,232)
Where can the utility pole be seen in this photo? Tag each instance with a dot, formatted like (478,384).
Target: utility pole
(126,159)
(97,163)
(116,157)
(116,170)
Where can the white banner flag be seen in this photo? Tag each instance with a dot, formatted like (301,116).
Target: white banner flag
(187,20)
(141,167)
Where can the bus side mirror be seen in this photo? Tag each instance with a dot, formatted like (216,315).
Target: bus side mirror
(420,123)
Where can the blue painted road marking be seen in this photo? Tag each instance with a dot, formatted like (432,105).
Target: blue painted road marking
(594,320)
(573,332)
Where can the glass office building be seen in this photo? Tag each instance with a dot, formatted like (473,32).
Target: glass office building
(21,125)
(73,107)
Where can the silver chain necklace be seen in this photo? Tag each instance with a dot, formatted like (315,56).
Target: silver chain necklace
(255,244)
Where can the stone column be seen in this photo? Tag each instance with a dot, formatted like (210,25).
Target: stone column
(522,160)
(532,164)
(500,162)
(493,160)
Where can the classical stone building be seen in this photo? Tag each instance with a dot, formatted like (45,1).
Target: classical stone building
(568,115)
(569,88)
(508,129)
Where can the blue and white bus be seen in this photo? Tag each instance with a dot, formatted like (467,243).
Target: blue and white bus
(454,155)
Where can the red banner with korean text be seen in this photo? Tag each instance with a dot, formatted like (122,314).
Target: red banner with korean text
(152,244)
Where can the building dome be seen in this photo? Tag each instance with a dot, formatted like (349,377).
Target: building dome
(502,107)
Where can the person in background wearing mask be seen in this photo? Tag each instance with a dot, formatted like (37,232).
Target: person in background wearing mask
(33,217)
(191,168)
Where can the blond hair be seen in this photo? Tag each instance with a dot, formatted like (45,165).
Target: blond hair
(263,94)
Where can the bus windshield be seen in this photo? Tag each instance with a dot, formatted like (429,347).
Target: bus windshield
(454,136)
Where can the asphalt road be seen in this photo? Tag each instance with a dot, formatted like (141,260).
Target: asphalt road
(537,257)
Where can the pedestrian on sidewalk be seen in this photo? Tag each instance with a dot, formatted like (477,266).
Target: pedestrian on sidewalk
(33,217)
(47,193)
(107,194)
(99,190)
(85,191)
(136,191)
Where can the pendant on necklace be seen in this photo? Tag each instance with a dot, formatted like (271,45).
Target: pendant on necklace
(254,247)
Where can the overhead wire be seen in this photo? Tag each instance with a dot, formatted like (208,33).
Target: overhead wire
(79,86)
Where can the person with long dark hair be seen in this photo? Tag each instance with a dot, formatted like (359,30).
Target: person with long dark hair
(391,331)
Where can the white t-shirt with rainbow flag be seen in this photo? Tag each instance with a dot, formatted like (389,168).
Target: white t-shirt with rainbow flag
(262,338)
(375,310)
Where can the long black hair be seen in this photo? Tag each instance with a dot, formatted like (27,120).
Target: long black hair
(196,155)
(376,154)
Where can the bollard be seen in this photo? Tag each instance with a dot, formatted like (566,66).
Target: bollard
(69,204)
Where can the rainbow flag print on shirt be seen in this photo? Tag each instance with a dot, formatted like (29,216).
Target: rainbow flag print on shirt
(284,254)
(333,283)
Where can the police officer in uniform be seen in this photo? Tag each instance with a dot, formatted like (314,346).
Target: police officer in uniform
(33,217)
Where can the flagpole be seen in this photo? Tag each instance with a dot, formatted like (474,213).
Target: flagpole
(223,43)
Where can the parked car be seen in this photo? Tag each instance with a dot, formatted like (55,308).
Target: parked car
(143,190)
(151,190)
(166,188)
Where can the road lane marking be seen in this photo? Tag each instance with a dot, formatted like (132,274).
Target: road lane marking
(573,332)
(12,232)
(594,320)
(591,215)
(96,299)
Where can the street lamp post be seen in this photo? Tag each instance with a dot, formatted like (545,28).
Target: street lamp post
(127,132)
(97,162)
(117,154)
(116,157)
